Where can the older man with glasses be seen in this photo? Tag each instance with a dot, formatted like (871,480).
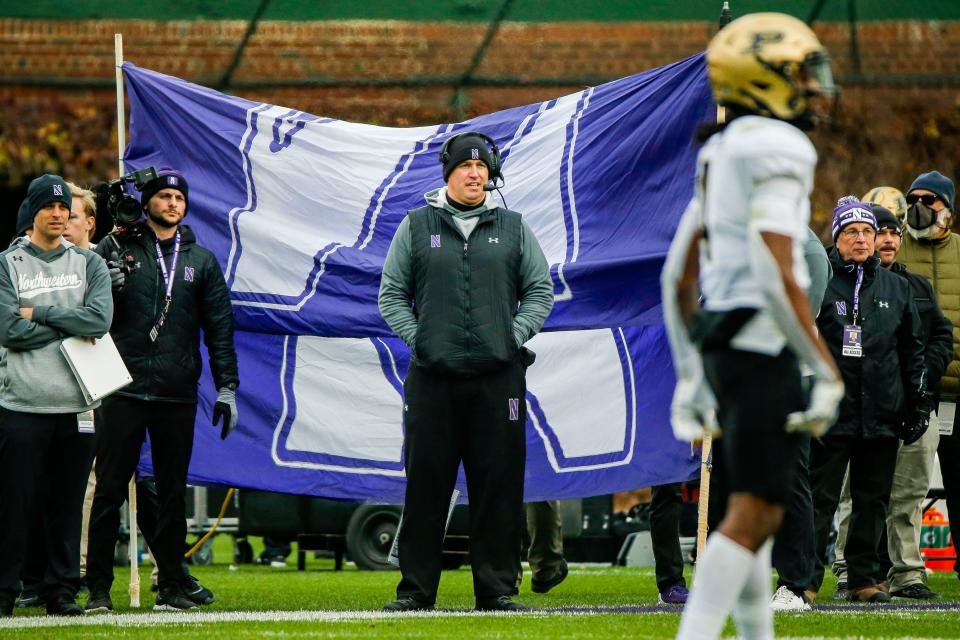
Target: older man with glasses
(932,250)
(869,322)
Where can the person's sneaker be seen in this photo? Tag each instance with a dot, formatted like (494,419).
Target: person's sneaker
(172,598)
(870,593)
(99,602)
(543,586)
(500,603)
(277,562)
(407,603)
(675,594)
(29,599)
(786,600)
(196,591)
(917,591)
(841,592)
(64,608)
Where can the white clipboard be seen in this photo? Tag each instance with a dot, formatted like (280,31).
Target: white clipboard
(98,368)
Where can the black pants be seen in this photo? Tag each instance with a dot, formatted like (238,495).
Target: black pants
(43,462)
(665,535)
(126,423)
(872,463)
(949,453)
(35,562)
(793,546)
(480,421)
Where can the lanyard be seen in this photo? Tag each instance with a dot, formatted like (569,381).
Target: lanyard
(168,278)
(856,294)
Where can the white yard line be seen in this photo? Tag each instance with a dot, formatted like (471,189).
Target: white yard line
(211,617)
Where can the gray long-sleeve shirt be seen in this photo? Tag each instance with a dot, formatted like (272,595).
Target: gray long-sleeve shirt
(397,286)
(69,291)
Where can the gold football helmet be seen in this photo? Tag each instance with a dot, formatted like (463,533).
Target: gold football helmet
(769,64)
(890,198)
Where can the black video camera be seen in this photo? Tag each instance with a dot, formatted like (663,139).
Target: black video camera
(124,209)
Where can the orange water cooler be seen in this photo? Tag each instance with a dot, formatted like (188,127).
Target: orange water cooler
(936,546)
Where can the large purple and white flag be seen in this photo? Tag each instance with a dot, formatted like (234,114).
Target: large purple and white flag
(300,210)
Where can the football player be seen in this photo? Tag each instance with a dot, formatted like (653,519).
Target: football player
(739,249)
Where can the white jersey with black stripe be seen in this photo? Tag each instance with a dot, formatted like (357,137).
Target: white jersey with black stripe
(757,171)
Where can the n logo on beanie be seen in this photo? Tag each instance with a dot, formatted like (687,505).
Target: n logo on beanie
(172,181)
(474,154)
(57,190)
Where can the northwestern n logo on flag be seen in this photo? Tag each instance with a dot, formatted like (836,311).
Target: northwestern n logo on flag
(435,241)
(841,307)
(514,404)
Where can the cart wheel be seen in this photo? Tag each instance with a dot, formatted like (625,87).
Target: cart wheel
(370,534)
(204,555)
(242,551)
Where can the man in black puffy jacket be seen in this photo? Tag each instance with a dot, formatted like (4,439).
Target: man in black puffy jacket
(900,549)
(175,289)
(869,322)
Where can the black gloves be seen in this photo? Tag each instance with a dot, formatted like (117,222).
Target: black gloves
(226,408)
(913,428)
(918,418)
(117,277)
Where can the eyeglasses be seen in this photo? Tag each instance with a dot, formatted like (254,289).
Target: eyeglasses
(851,233)
(927,198)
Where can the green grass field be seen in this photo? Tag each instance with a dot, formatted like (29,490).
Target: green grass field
(255,602)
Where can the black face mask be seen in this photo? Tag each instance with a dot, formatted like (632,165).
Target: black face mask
(920,216)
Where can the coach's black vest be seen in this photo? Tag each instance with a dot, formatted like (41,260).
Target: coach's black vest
(465,292)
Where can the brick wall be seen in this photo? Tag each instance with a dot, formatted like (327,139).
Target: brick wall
(202,50)
(886,133)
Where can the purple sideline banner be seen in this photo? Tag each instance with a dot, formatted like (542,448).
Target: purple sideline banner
(300,209)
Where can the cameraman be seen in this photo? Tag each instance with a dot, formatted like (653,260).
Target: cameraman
(166,289)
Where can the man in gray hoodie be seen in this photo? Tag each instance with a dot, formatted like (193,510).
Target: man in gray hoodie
(49,290)
(464,284)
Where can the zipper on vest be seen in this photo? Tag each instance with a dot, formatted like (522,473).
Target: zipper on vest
(935,278)
(465,245)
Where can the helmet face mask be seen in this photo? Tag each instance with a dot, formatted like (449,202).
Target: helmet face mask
(771,64)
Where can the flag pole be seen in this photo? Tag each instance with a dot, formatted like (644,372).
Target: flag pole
(133,546)
(706,451)
(121,112)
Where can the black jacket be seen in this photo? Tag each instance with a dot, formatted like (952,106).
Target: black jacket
(888,380)
(936,330)
(168,369)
